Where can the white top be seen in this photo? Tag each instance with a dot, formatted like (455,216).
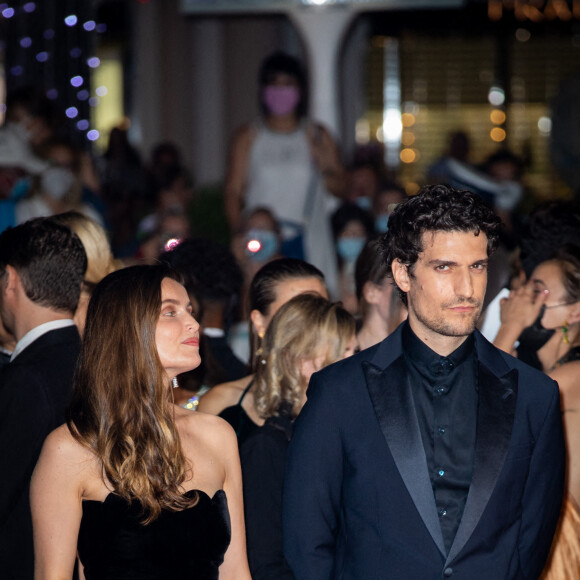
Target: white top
(280,175)
(37,332)
(280,172)
(492,317)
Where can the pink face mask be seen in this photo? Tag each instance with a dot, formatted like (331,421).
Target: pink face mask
(281,100)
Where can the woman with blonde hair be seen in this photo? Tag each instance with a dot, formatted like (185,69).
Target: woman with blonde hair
(273,285)
(306,334)
(100,261)
(139,486)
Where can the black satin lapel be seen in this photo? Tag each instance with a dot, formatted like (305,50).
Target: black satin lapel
(395,410)
(495,419)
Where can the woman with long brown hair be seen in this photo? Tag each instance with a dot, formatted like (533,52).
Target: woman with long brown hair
(141,487)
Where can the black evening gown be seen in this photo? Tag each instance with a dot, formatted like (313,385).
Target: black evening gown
(114,544)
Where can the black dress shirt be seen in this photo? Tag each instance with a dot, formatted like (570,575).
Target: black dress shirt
(445,396)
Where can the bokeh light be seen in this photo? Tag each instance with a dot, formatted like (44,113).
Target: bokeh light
(497,134)
(497,117)
(408,155)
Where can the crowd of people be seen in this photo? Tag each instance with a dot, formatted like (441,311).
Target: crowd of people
(315,400)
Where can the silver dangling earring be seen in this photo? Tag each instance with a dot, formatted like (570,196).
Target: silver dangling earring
(174,382)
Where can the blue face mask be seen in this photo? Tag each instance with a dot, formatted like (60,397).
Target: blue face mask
(382,223)
(364,202)
(349,248)
(261,245)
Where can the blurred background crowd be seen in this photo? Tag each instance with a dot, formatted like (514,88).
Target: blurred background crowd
(225,142)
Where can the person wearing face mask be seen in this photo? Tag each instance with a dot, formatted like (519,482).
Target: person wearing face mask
(55,191)
(352,226)
(549,226)
(551,300)
(286,162)
(254,245)
(389,195)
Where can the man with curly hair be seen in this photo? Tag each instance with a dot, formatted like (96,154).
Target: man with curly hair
(431,455)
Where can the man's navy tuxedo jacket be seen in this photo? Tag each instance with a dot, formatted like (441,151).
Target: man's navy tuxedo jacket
(358,501)
(35,390)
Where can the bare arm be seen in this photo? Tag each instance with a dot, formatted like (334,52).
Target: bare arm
(237,175)
(567,378)
(221,396)
(327,159)
(55,499)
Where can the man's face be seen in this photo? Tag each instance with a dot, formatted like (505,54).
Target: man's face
(446,286)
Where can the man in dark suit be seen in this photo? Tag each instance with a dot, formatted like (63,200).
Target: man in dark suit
(431,455)
(42,264)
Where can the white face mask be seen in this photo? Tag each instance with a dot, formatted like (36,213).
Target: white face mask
(21,131)
(56,182)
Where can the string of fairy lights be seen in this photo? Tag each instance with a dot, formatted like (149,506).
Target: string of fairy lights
(52,43)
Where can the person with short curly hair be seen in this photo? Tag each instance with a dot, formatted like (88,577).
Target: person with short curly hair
(432,454)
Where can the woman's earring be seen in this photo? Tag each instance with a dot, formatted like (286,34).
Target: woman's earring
(174,382)
(565,337)
(259,350)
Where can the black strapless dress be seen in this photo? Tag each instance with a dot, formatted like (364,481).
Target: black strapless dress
(114,545)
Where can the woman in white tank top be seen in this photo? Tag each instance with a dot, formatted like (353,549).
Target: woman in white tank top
(289,164)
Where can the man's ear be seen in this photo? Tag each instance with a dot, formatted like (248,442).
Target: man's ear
(401,275)
(10,281)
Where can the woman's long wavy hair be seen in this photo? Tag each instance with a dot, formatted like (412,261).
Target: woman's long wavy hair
(121,407)
(305,328)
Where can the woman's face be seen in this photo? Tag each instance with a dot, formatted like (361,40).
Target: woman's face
(177,332)
(549,276)
(285,291)
(281,95)
(353,229)
(308,366)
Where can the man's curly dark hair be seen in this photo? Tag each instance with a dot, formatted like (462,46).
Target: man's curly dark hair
(436,208)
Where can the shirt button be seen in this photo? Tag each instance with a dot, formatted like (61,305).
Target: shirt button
(441,389)
(441,429)
(442,512)
(446,365)
(448,572)
(440,472)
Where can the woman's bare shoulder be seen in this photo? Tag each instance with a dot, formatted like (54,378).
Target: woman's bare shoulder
(61,443)
(204,430)
(568,378)
(65,459)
